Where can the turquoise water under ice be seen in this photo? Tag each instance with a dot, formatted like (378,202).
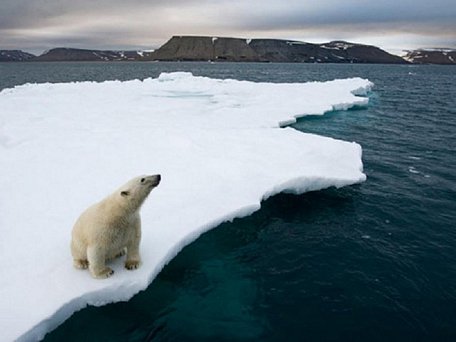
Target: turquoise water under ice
(371,262)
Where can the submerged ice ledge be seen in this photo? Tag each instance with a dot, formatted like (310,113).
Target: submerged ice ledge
(215,142)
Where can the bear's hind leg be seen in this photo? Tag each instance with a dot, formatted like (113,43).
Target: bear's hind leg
(97,266)
(119,254)
(81,264)
(78,251)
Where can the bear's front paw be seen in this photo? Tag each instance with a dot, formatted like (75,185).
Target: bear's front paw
(106,273)
(132,264)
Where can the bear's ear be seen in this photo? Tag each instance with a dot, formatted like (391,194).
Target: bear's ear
(125,193)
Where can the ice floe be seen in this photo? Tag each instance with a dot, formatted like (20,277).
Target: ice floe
(217,144)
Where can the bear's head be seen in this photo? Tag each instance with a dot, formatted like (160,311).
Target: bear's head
(134,193)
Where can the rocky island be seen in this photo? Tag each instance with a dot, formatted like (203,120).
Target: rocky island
(431,56)
(190,48)
(67,54)
(221,49)
(15,56)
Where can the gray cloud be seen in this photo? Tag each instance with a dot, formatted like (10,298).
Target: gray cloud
(41,24)
(387,14)
(26,13)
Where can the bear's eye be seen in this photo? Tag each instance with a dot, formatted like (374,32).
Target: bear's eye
(143,180)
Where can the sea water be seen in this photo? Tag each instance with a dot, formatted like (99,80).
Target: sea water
(372,262)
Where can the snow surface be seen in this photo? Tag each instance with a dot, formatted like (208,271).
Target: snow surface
(296,43)
(338,46)
(438,49)
(216,143)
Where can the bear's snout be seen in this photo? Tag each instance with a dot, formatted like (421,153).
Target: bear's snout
(156,180)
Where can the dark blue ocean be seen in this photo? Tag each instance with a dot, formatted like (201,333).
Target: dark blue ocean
(371,262)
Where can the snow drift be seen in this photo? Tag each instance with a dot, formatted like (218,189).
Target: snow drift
(217,144)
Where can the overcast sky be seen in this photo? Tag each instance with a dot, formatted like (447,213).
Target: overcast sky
(37,25)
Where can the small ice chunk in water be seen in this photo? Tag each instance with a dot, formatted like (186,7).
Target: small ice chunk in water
(413,170)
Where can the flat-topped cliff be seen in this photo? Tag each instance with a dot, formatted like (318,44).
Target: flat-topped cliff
(189,48)
(195,48)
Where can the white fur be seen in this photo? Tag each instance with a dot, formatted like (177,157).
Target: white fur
(108,228)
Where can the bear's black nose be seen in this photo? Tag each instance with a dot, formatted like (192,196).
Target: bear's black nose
(159,178)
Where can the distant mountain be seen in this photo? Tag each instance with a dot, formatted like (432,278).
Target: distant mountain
(194,48)
(276,50)
(14,56)
(431,56)
(189,48)
(69,54)
(219,49)
(359,53)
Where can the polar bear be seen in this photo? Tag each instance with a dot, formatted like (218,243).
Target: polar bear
(106,229)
